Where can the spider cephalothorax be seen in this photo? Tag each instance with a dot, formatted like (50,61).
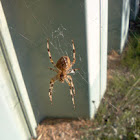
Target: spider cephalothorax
(63,67)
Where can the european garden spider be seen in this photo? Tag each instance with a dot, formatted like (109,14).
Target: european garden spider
(63,67)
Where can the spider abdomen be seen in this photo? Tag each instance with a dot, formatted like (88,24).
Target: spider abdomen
(63,63)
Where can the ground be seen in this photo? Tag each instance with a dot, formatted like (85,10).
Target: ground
(118,116)
(113,108)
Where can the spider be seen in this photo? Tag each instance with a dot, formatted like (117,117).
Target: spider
(63,67)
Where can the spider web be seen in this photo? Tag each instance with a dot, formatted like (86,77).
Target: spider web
(29,34)
(30,27)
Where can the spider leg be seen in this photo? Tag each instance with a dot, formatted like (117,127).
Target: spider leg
(71,81)
(74,58)
(53,69)
(49,53)
(51,87)
(71,93)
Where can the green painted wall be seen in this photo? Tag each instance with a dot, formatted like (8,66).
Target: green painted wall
(118,23)
(31,23)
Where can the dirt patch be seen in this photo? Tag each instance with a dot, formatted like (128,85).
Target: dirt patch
(113,63)
(62,129)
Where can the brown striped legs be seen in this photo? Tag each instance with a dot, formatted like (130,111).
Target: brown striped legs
(63,67)
(49,53)
(74,52)
(72,89)
(51,87)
